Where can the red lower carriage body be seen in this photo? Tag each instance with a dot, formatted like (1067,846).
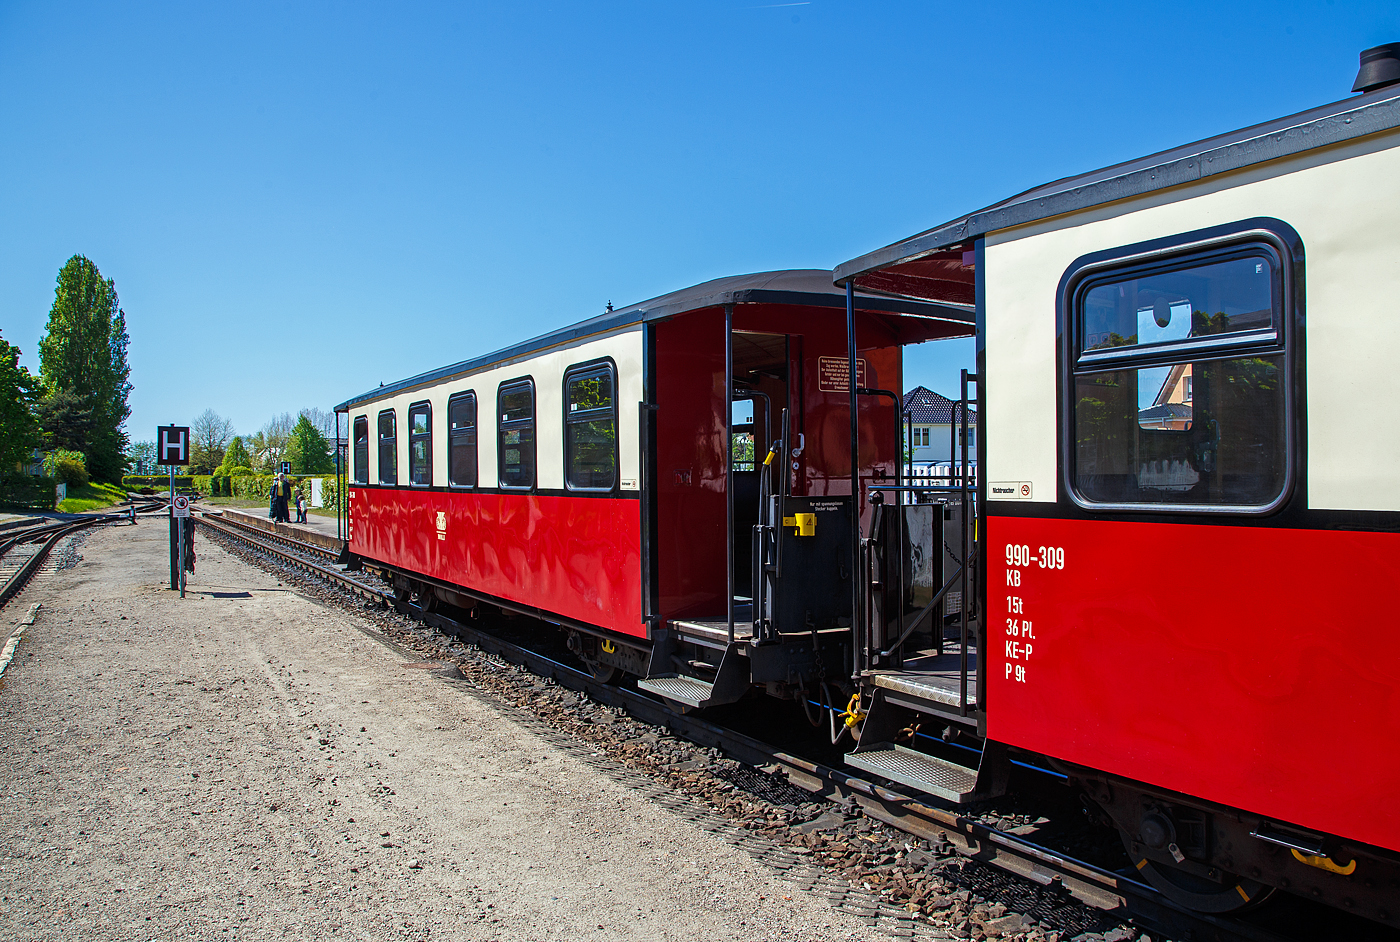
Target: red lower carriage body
(1223,662)
(578,557)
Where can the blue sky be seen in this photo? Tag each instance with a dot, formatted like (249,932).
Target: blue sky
(301,200)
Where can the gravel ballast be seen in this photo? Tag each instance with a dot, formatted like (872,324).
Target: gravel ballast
(251,763)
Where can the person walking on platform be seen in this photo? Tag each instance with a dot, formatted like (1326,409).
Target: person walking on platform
(301,506)
(281,495)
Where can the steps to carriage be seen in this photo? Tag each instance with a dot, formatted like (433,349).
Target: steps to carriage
(929,774)
(894,718)
(731,680)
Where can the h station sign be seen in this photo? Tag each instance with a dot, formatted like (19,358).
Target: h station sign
(173,448)
(173,444)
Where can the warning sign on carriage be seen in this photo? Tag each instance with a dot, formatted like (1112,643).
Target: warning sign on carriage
(180,506)
(834,374)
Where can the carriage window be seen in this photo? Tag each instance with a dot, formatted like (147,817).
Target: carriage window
(461,432)
(361,450)
(516,455)
(590,430)
(1215,304)
(388,448)
(420,443)
(1179,387)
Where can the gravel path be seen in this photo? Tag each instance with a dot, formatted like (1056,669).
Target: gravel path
(248,764)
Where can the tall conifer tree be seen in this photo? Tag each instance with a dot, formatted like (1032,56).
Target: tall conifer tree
(84,354)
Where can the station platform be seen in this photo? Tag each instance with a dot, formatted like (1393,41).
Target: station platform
(318,530)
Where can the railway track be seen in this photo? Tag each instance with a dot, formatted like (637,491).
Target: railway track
(1108,892)
(24,549)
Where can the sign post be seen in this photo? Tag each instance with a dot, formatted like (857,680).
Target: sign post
(179,508)
(173,448)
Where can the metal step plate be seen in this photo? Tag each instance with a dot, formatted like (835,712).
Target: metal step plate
(927,773)
(681,689)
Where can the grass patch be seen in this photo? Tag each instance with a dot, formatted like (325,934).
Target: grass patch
(92,496)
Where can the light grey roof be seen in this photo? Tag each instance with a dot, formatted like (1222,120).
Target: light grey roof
(810,287)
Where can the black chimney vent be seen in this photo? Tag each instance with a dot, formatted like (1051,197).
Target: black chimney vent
(1380,66)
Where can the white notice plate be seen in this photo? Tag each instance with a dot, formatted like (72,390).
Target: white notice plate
(1009,490)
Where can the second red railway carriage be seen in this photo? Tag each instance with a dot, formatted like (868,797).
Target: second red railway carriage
(583,476)
(1168,579)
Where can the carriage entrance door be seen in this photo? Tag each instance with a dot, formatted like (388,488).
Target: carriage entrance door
(762,406)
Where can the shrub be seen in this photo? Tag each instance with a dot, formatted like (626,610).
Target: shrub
(251,486)
(68,467)
(330,495)
(28,491)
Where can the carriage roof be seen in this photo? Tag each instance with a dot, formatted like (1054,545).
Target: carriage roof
(802,287)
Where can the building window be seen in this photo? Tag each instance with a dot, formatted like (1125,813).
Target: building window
(388,448)
(361,449)
(420,443)
(1143,334)
(921,437)
(516,455)
(461,434)
(590,428)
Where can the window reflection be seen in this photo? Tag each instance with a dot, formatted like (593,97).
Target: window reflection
(1173,402)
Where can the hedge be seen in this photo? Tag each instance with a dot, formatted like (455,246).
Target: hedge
(158,482)
(256,486)
(28,491)
(247,486)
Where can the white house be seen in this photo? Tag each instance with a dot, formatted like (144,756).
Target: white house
(929,442)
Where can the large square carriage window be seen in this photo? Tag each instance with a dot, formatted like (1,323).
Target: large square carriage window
(590,429)
(1178,393)
(361,449)
(515,404)
(420,443)
(461,433)
(388,448)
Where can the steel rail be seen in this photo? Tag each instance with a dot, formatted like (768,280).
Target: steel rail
(334,575)
(268,535)
(51,534)
(1111,893)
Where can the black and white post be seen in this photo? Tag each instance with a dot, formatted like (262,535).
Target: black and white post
(173,448)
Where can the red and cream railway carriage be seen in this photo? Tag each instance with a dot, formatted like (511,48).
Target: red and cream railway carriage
(1190,504)
(584,477)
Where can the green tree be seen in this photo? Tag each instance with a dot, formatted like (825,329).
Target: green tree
(67,421)
(235,456)
(141,458)
(307,449)
(19,431)
(83,353)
